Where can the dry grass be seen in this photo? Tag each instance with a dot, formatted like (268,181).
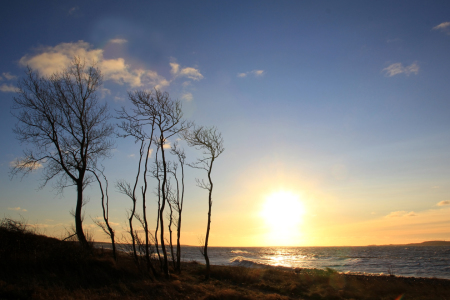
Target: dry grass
(37,267)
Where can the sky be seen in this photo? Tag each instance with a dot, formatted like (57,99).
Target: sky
(334,114)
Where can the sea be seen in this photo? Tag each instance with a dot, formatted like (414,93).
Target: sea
(408,261)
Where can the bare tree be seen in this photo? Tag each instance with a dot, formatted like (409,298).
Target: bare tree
(171,201)
(169,122)
(125,188)
(67,126)
(210,141)
(142,115)
(156,174)
(165,115)
(179,152)
(105,226)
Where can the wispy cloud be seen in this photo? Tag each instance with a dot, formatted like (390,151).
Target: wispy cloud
(191,73)
(401,213)
(118,41)
(256,73)
(150,153)
(443,27)
(398,68)
(443,203)
(17,208)
(187,96)
(8,88)
(8,76)
(19,163)
(49,60)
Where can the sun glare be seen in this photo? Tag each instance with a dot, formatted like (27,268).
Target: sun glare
(283,213)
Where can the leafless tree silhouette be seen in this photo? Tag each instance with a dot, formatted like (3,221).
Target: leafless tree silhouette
(67,126)
(165,116)
(210,141)
(134,124)
(105,226)
(179,153)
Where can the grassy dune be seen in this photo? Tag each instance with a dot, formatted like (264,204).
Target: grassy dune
(33,266)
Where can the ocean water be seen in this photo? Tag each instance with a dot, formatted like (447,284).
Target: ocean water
(409,261)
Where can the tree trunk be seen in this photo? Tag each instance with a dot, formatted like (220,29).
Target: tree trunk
(78,219)
(161,213)
(208,268)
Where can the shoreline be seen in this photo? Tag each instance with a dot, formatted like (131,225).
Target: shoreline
(238,258)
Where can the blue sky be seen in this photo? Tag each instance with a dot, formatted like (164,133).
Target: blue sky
(343,103)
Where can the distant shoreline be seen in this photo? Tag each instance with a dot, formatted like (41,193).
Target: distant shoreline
(426,243)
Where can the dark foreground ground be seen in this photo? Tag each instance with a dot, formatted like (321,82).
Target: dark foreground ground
(38,267)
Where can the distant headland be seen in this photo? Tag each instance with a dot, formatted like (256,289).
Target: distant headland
(427,243)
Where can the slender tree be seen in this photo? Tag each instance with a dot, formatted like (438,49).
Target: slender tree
(134,124)
(165,115)
(210,141)
(156,174)
(169,123)
(125,188)
(171,201)
(67,126)
(179,152)
(105,226)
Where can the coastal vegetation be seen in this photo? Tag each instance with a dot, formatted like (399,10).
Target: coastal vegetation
(69,131)
(33,266)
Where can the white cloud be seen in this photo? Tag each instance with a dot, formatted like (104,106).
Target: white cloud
(187,96)
(444,27)
(16,208)
(191,73)
(8,88)
(256,73)
(23,164)
(8,76)
(118,41)
(398,68)
(131,155)
(49,60)
(186,84)
(401,213)
(175,68)
(443,203)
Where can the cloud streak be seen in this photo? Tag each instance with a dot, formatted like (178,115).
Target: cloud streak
(23,164)
(8,76)
(256,73)
(17,208)
(401,214)
(444,203)
(398,68)
(443,27)
(8,88)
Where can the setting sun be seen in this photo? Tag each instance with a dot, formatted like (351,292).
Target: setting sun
(283,212)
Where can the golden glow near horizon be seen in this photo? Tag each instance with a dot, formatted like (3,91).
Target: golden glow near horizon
(283,214)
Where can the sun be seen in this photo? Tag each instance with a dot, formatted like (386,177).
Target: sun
(283,213)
